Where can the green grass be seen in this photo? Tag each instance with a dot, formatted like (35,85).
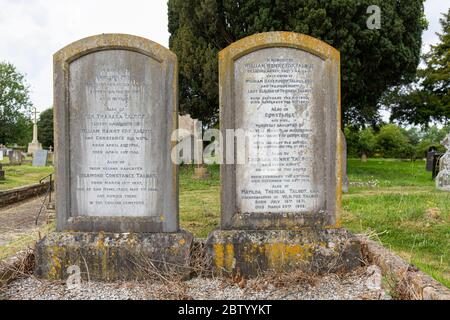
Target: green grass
(199,201)
(26,174)
(395,199)
(409,215)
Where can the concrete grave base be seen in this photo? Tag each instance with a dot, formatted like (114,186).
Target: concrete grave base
(249,253)
(112,257)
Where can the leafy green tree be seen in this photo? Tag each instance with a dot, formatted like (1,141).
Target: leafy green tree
(391,141)
(45,128)
(372,60)
(367,143)
(14,102)
(428,97)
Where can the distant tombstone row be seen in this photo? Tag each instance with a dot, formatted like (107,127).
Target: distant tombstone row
(117,187)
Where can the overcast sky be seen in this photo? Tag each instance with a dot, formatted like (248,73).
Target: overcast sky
(32,30)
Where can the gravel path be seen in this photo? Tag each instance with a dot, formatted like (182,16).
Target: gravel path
(356,285)
(19,219)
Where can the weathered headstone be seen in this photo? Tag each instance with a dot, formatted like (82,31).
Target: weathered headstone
(2,172)
(443,177)
(1,154)
(281,192)
(117,188)
(15,157)
(40,158)
(191,145)
(186,137)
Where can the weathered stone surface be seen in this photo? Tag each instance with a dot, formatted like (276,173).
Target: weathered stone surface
(285,86)
(416,284)
(110,257)
(115,110)
(443,177)
(252,252)
(22,193)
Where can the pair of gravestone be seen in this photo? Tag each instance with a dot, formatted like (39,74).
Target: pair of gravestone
(117,188)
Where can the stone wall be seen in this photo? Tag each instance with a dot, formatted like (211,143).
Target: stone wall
(19,194)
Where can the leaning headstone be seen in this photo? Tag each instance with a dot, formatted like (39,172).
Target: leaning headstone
(281,190)
(117,188)
(443,177)
(40,158)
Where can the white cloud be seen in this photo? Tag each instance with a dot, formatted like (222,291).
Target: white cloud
(433,11)
(33,30)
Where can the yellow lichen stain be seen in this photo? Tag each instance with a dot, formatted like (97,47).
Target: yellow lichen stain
(229,257)
(56,265)
(280,254)
(219,255)
(182,242)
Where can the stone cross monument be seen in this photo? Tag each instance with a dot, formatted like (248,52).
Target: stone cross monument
(34,145)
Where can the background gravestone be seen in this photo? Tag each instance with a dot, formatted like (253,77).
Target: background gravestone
(117,188)
(284,87)
(40,158)
(15,157)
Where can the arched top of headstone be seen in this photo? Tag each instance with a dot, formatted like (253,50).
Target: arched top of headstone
(113,41)
(280,39)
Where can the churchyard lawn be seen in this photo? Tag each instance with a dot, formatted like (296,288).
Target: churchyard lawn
(390,200)
(26,174)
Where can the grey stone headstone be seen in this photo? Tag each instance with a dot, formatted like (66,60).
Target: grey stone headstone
(289,84)
(116,98)
(15,157)
(40,158)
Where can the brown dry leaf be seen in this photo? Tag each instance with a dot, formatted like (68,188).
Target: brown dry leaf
(433,214)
